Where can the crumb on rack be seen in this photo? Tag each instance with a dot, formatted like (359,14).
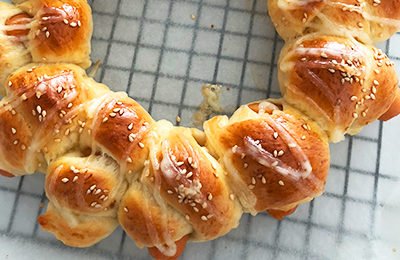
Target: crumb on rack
(210,104)
(193,17)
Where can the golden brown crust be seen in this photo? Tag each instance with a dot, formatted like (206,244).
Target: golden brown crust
(44,31)
(150,222)
(87,185)
(76,231)
(254,146)
(193,183)
(61,32)
(340,83)
(121,128)
(367,21)
(15,138)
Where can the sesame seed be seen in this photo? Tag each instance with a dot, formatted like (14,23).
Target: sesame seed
(280,153)
(65,21)
(47,34)
(98,191)
(232,196)
(253,180)
(292,145)
(92,187)
(79,23)
(189,175)
(131,137)
(75,179)
(65,180)
(141,145)
(170,192)
(13,130)
(353,98)
(376,83)
(187,217)
(23,147)
(303,137)
(209,197)
(275,135)
(245,165)
(93,204)
(324,55)
(274,164)
(204,218)
(179,163)
(24,97)
(112,114)
(69,105)
(129,159)
(251,187)
(263,180)
(105,119)
(195,209)
(281,183)
(126,210)
(73,24)
(355,115)
(97,206)
(130,126)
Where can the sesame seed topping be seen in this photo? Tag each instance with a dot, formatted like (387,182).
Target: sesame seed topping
(204,218)
(69,105)
(126,210)
(13,130)
(112,114)
(324,55)
(170,192)
(73,24)
(281,183)
(129,159)
(130,126)
(47,34)
(92,187)
(209,197)
(355,115)
(280,153)
(187,217)
(232,196)
(75,179)
(353,98)
(131,137)
(275,135)
(263,180)
(97,192)
(274,164)
(141,145)
(65,180)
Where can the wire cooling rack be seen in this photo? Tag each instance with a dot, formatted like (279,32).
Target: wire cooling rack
(161,52)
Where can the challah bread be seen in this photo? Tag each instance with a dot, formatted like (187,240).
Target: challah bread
(339,82)
(367,21)
(107,162)
(44,31)
(188,191)
(275,157)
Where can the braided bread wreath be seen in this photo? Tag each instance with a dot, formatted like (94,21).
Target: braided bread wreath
(107,162)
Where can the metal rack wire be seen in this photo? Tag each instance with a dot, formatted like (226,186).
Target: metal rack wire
(160,52)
